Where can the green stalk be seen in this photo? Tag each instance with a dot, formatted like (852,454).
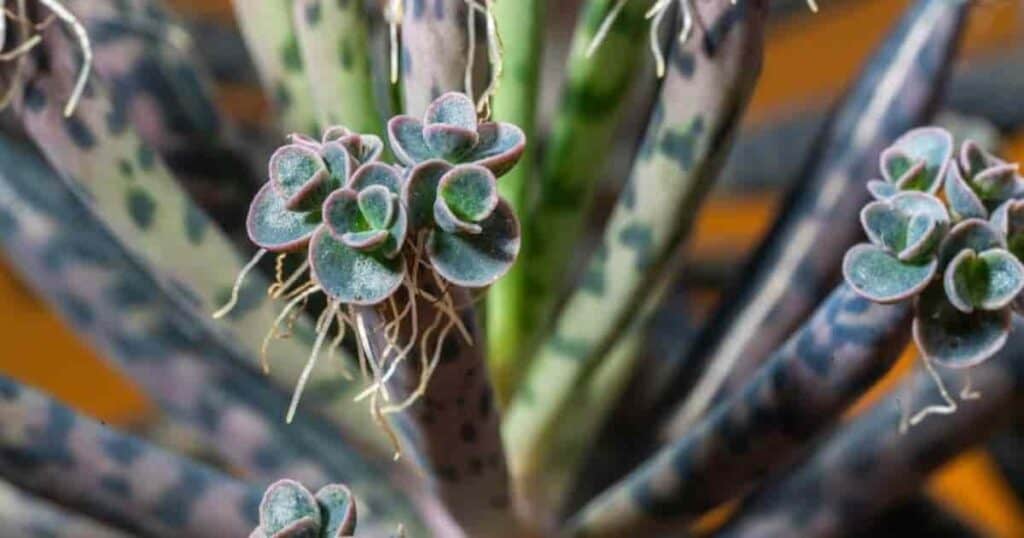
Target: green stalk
(266,26)
(590,108)
(520,27)
(334,42)
(708,84)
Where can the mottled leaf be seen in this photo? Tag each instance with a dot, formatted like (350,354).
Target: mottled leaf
(342,214)
(881,277)
(275,228)
(953,338)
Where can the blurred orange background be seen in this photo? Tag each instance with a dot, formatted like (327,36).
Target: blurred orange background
(809,58)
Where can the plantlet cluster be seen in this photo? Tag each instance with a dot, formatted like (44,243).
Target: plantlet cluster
(289,510)
(945,229)
(366,229)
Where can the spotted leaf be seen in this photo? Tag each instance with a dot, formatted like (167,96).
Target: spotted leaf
(954,338)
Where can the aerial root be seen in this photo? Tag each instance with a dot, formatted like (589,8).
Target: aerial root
(272,332)
(233,301)
(323,326)
(82,37)
(495,54)
(948,407)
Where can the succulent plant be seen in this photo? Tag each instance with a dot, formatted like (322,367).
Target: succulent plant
(289,510)
(393,229)
(964,275)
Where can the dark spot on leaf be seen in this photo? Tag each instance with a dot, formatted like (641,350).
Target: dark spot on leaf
(123,450)
(638,237)
(313,13)
(116,485)
(468,432)
(569,348)
(290,56)
(141,207)
(175,505)
(196,224)
(35,99)
(146,157)
(125,167)
(79,133)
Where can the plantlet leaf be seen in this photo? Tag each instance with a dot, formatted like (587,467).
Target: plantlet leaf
(909,224)
(376,174)
(987,281)
(342,214)
(963,201)
(365,241)
(450,222)
(500,147)
(974,234)
(289,509)
(477,260)
(407,143)
(362,148)
(339,162)
(895,163)
(997,183)
(338,508)
(974,159)
(450,142)
(885,225)
(352,276)
(881,277)
(454,109)
(931,146)
(420,191)
(470,191)
(273,227)
(334,133)
(377,204)
(882,190)
(1008,219)
(299,175)
(953,338)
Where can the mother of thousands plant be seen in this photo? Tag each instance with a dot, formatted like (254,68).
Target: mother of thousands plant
(366,229)
(393,228)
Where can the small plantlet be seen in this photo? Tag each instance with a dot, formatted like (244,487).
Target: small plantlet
(289,510)
(389,237)
(958,253)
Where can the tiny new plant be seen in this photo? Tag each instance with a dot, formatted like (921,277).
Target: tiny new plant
(366,229)
(289,510)
(944,230)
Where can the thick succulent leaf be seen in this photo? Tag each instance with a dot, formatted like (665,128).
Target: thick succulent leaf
(996,184)
(300,139)
(378,205)
(396,233)
(363,148)
(895,163)
(273,227)
(1008,219)
(450,142)
(953,338)
(933,146)
(881,277)
(365,241)
(987,281)
(376,174)
(922,234)
(299,175)
(407,143)
(500,147)
(454,109)
(339,162)
(420,192)
(882,190)
(477,260)
(974,159)
(338,509)
(884,225)
(471,192)
(974,234)
(963,201)
(335,132)
(342,215)
(915,179)
(351,276)
(285,505)
(448,221)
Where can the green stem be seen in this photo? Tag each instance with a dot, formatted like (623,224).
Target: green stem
(702,98)
(519,25)
(266,26)
(333,41)
(591,105)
